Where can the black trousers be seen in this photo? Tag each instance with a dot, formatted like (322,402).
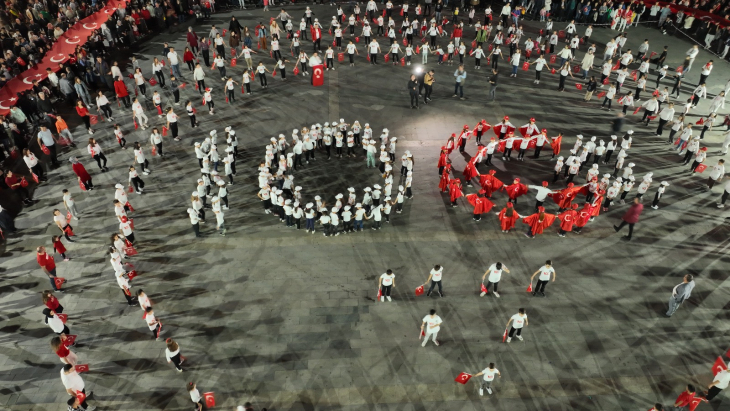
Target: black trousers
(99,158)
(176,360)
(385,290)
(434,284)
(712,393)
(540,287)
(414,99)
(512,331)
(631,227)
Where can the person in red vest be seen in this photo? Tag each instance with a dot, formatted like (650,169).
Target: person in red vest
(48,265)
(567,219)
(538,222)
(121,90)
(508,217)
(631,217)
(81,173)
(480,203)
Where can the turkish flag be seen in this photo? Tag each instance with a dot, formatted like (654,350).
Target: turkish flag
(504,336)
(463,378)
(694,403)
(525,66)
(605,81)
(80,396)
(576,69)
(529,288)
(209,399)
(484,289)
(553,58)
(637,110)
(380,293)
(528,53)
(340,57)
(680,69)
(601,94)
(318,75)
(421,335)
(553,71)
(82,368)
(58,281)
(419,290)
(700,122)
(69,341)
(579,86)
(132,274)
(164,130)
(387,57)
(561,34)
(718,366)
(63,317)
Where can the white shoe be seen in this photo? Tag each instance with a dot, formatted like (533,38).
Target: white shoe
(489,390)
(509,339)
(482,294)
(481,392)
(496,294)
(145,173)
(382,299)
(388,297)
(519,337)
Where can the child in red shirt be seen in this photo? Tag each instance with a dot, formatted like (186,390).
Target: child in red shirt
(59,247)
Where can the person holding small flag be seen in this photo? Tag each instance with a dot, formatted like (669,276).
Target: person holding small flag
(488,378)
(430,327)
(518,321)
(435,277)
(544,277)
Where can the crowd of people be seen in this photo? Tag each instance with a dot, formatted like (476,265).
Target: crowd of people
(159,91)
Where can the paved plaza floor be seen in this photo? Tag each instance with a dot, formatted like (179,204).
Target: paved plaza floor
(288,320)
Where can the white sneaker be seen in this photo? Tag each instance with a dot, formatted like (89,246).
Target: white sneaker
(489,390)
(496,294)
(509,339)
(382,299)
(145,173)
(481,392)
(388,297)
(519,337)
(482,294)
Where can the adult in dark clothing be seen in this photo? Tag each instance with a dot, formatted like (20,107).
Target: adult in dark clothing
(493,79)
(631,217)
(235,27)
(103,71)
(618,123)
(413,90)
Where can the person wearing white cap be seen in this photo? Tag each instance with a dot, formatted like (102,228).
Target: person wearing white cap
(327,141)
(320,205)
(324,219)
(611,193)
(334,223)
(627,186)
(598,151)
(289,213)
(399,199)
(371,150)
(228,165)
(297,194)
(376,194)
(194,220)
(308,149)
(377,216)
(297,215)
(220,223)
(644,185)
(387,208)
(339,142)
(619,162)
(309,214)
(223,193)
(610,147)
(198,206)
(367,199)
(346,220)
(199,154)
(264,195)
(338,203)
(359,216)
(391,148)
(351,197)
(557,169)
(408,183)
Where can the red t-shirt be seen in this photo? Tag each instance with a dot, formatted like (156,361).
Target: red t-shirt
(684,398)
(10,181)
(52,303)
(83,111)
(46,260)
(63,351)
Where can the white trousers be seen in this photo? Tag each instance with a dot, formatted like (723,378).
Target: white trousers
(430,334)
(141,119)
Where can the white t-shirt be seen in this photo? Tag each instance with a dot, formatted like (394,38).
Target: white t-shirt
(151,321)
(61,219)
(545,272)
(387,278)
(723,379)
(173,58)
(433,324)
(518,321)
(72,381)
(494,274)
(489,374)
(436,275)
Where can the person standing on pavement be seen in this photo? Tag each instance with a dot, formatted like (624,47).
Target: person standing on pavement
(518,321)
(544,277)
(495,274)
(172,353)
(385,283)
(46,138)
(67,356)
(719,383)
(680,293)
(48,265)
(460,75)
(631,217)
(488,378)
(435,277)
(413,90)
(74,385)
(493,79)
(430,327)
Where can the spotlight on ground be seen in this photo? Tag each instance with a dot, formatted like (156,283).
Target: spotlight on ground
(418,70)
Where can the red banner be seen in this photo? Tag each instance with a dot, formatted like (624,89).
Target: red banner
(318,75)
(59,53)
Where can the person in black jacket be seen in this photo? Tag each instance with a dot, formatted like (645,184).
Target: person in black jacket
(413,90)
(590,88)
